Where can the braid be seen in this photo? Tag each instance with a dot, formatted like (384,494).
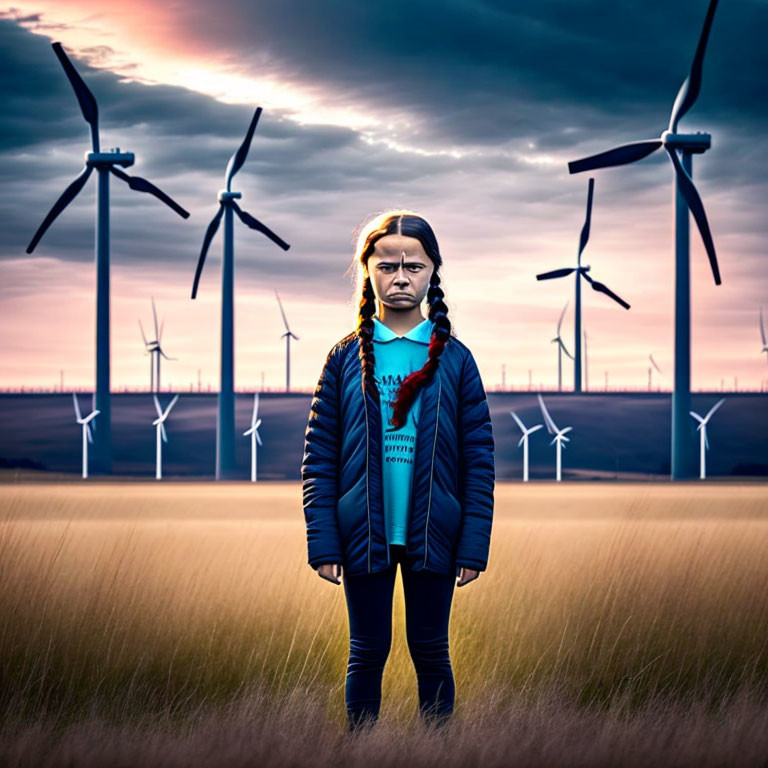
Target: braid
(410,387)
(365,336)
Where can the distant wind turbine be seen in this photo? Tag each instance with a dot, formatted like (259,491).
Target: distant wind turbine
(524,441)
(287,336)
(87,437)
(254,433)
(686,199)
(558,433)
(581,272)
(703,441)
(225,425)
(650,370)
(154,350)
(560,349)
(160,432)
(762,336)
(105,163)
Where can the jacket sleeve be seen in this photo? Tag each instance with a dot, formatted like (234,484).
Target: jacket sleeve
(477,472)
(320,468)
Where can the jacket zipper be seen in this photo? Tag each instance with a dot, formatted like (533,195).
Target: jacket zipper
(367,472)
(432,472)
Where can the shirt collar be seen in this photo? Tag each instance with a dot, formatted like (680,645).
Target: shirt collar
(420,333)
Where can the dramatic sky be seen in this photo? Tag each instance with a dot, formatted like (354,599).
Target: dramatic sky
(464,110)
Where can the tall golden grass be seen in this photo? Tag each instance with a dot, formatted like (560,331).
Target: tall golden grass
(189,608)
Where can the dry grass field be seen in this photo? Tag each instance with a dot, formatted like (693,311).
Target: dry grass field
(179,624)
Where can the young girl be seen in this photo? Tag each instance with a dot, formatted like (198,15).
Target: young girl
(398,466)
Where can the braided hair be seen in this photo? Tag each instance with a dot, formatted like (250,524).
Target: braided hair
(409,224)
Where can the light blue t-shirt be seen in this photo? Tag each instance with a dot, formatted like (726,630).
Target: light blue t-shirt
(396,358)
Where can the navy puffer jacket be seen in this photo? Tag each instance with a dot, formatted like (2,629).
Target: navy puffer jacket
(449,524)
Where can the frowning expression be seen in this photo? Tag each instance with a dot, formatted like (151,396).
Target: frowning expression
(400,271)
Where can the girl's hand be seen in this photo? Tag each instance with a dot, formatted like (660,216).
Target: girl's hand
(467,575)
(328,571)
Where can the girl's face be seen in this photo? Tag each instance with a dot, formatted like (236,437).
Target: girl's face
(400,271)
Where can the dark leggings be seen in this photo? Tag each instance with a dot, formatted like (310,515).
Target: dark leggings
(428,599)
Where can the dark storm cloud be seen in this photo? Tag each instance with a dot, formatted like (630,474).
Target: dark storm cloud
(489,71)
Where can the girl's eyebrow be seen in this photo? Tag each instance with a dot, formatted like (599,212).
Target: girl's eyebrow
(406,263)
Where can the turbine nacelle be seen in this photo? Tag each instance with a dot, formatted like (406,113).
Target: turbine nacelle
(106,159)
(225,195)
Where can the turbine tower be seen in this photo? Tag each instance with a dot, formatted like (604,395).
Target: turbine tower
(686,199)
(524,441)
(160,432)
(154,350)
(559,434)
(560,349)
(288,335)
(581,272)
(703,442)
(105,163)
(254,433)
(225,422)
(87,436)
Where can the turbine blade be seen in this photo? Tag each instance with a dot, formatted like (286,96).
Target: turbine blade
(564,348)
(88,432)
(518,420)
(521,441)
(654,363)
(258,439)
(626,153)
(138,184)
(555,273)
(166,356)
(696,207)
(84,96)
(163,433)
(77,407)
(533,429)
(562,315)
(154,317)
(66,198)
(696,416)
(706,440)
(209,233)
(143,335)
(689,90)
(170,405)
(585,229)
(249,221)
(714,408)
(282,312)
(762,327)
(157,406)
(604,289)
(255,409)
(551,426)
(236,161)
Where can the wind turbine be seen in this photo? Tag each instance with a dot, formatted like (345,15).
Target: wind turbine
(160,432)
(225,423)
(686,198)
(558,433)
(287,336)
(560,349)
(105,163)
(524,441)
(762,335)
(254,433)
(650,370)
(87,437)
(581,272)
(154,350)
(703,442)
